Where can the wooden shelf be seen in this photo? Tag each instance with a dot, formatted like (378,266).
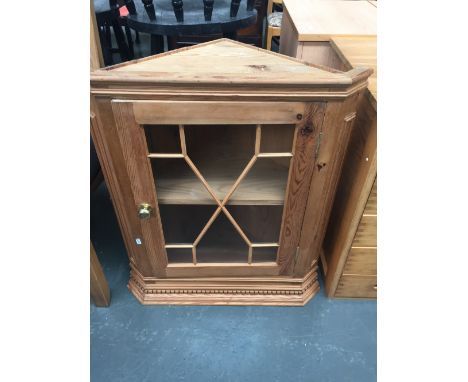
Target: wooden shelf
(265,184)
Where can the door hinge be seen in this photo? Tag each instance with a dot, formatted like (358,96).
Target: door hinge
(317,148)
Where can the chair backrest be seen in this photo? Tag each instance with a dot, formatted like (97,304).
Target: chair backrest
(208,9)
(130,6)
(178,6)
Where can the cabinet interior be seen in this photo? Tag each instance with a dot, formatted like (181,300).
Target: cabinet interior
(220,189)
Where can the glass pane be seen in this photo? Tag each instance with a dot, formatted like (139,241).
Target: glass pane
(261,224)
(264,254)
(179,255)
(277,138)
(163,139)
(183,223)
(220,153)
(265,183)
(222,244)
(176,183)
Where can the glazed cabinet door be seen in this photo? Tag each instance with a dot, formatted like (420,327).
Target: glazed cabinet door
(220,187)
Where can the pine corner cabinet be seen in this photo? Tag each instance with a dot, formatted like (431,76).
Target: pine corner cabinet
(222,162)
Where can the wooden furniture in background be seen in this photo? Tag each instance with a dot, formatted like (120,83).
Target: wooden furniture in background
(350,247)
(222,161)
(99,289)
(341,35)
(273,22)
(308,26)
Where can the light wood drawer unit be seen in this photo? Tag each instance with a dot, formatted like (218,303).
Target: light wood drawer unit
(366,234)
(357,286)
(371,205)
(361,261)
(309,25)
(353,271)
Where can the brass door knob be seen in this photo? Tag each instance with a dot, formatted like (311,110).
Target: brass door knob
(144,211)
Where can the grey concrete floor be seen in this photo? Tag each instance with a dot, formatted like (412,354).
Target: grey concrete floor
(327,340)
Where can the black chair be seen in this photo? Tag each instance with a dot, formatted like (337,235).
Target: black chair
(107,17)
(201,19)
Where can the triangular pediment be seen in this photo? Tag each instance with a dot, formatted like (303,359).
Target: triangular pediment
(226,60)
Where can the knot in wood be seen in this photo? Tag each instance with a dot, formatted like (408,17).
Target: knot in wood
(259,67)
(321,165)
(307,129)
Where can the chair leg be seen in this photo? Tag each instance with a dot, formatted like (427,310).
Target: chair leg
(121,43)
(157,44)
(99,290)
(171,42)
(108,35)
(128,33)
(106,48)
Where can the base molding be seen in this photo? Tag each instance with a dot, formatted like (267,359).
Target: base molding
(225,291)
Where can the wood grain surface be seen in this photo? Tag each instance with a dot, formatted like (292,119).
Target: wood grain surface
(318,20)
(134,150)
(359,51)
(366,233)
(358,177)
(300,175)
(336,130)
(357,287)
(371,205)
(228,60)
(225,113)
(361,261)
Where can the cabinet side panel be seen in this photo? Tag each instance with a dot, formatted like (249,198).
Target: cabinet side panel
(337,125)
(117,181)
(358,176)
(321,53)
(289,44)
(298,183)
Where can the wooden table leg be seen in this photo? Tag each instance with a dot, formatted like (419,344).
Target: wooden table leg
(100,292)
(157,44)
